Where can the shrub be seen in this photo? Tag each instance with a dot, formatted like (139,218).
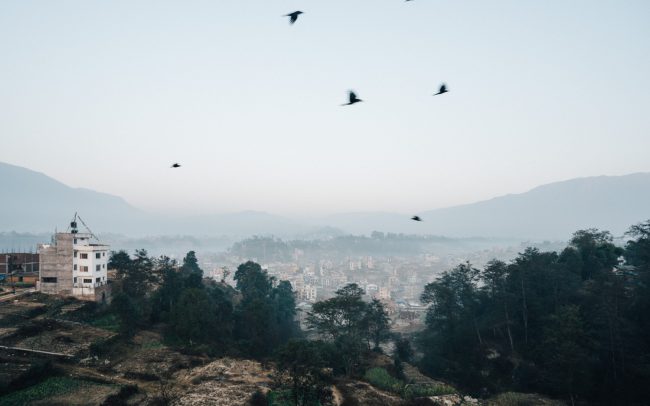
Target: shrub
(258,399)
(380,378)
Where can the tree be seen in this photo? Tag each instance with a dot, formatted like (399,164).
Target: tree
(343,319)
(167,295)
(138,276)
(494,285)
(285,311)
(340,315)
(127,313)
(264,318)
(192,319)
(252,281)
(403,349)
(564,354)
(120,261)
(191,271)
(301,365)
(596,250)
(376,323)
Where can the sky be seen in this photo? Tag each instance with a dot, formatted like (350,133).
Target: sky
(106,95)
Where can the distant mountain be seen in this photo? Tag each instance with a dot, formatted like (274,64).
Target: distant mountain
(34,202)
(552,211)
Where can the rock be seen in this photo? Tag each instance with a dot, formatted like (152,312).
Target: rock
(453,400)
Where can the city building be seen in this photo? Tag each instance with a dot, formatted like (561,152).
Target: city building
(73,265)
(18,262)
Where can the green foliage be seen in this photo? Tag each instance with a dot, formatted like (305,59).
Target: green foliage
(258,399)
(264,318)
(109,321)
(573,325)
(193,317)
(128,314)
(301,365)
(351,324)
(403,349)
(380,378)
(49,388)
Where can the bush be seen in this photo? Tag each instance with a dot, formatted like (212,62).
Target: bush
(104,346)
(258,399)
(421,391)
(44,390)
(121,397)
(380,378)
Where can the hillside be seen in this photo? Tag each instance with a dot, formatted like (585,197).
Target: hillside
(34,202)
(551,211)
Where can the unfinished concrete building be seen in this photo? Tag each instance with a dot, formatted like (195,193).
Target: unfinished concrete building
(73,266)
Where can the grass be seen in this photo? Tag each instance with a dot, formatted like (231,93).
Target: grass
(151,345)
(49,388)
(521,399)
(380,378)
(108,322)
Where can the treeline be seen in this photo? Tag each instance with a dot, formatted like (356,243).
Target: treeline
(574,324)
(202,315)
(378,243)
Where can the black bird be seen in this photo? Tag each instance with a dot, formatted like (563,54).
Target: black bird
(176,165)
(293,17)
(443,89)
(416,218)
(353,99)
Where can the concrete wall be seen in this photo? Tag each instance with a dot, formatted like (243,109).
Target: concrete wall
(56,262)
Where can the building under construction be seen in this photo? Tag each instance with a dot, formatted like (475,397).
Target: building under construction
(74,264)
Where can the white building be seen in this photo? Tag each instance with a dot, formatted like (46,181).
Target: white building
(73,265)
(89,265)
(383,293)
(308,293)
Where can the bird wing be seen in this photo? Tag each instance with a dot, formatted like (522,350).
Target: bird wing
(353,96)
(443,88)
(294,18)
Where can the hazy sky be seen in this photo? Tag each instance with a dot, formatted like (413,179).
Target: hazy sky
(107,94)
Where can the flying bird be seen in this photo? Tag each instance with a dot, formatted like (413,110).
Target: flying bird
(443,89)
(353,99)
(416,218)
(176,165)
(293,17)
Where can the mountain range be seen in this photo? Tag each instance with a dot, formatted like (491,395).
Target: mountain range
(34,202)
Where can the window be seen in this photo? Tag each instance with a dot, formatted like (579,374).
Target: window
(88,281)
(75,279)
(98,268)
(48,280)
(74,241)
(84,256)
(104,266)
(98,280)
(75,253)
(103,254)
(74,267)
(97,255)
(84,269)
